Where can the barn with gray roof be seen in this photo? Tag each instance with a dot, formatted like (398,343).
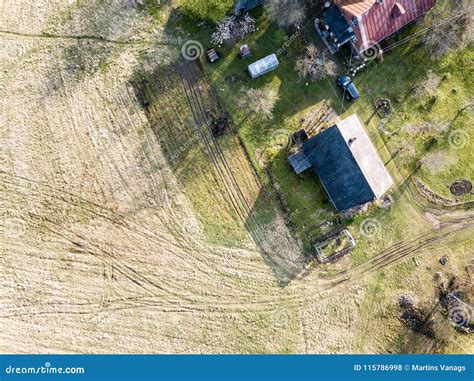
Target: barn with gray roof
(347,164)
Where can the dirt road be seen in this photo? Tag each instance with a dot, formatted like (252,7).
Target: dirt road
(101,250)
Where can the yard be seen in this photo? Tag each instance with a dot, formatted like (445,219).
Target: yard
(128,227)
(427,136)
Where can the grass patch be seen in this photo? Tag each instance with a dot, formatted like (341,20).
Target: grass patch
(397,77)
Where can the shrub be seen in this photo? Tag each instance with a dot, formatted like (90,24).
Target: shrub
(315,64)
(286,13)
(210,10)
(262,101)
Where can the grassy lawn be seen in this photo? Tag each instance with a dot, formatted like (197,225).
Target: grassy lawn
(379,328)
(401,146)
(430,129)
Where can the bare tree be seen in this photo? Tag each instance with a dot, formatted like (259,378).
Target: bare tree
(132,3)
(286,13)
(315,64)
(262,101)
(429,87)
(453,35)
(233,28)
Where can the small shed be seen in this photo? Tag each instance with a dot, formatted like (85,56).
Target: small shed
(263,66)
(299,162)
(346,162)
(212,55)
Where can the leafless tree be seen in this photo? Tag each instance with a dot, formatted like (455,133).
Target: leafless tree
(262,101)
(429,87)
(286,13)
(456,34)
(233,28)
(315,64)
(132,3)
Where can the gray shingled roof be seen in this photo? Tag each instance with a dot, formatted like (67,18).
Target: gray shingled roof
(347,164)
(299,162)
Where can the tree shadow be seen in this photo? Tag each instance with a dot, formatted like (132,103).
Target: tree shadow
(179,101)
(100,31)
(272,232)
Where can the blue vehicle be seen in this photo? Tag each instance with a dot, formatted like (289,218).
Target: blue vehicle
(350,91)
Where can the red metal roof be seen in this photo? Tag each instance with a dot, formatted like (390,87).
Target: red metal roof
(398,10)
(355,7)
(377,20)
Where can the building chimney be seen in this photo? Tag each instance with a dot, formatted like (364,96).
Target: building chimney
(352,140)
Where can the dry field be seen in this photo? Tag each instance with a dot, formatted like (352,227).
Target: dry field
(103,247)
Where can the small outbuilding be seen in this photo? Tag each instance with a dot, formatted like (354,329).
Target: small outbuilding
(346,162)
(263,66)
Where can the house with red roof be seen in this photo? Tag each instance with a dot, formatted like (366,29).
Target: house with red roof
(365,23)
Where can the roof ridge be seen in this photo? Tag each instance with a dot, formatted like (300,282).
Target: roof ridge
(375,183)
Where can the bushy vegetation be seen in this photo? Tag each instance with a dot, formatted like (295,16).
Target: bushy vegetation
(209,10)
(424,137)
(286,13)
(455,34)
(261,101)
(315,64)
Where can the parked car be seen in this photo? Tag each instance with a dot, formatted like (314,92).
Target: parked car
(350,91)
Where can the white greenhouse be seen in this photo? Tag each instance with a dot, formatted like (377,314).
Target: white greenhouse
(263,66)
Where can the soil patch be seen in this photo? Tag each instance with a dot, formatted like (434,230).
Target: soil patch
(462,187)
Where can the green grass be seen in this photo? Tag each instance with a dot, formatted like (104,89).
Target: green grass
(379,328)
(401,71)
(451,97)
(303,196)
